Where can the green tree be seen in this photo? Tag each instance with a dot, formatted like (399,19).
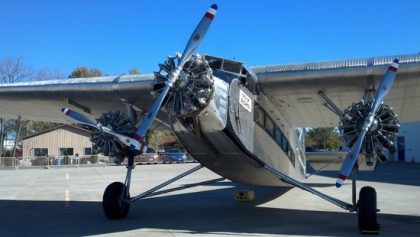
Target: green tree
(33,127)
(154,136)
(323,138)
(84,71)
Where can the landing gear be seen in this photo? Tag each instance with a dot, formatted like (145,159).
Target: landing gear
(365,207)
(366,211)
(115,201)
(370,113)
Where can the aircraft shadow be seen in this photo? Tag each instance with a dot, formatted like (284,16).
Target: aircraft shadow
(207,212)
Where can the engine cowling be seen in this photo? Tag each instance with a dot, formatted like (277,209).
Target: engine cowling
(192,91)
(379,137)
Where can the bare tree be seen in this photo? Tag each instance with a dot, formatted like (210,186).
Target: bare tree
(14,70)
(11,70)
(45,74)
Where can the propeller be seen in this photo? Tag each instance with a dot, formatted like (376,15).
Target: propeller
(193,43)
(82,119)
(353,154)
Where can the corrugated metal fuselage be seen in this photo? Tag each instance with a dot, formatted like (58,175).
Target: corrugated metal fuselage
(225,138)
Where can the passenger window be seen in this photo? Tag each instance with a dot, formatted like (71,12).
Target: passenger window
(291,156)
(284,144)
(278,136)
(258,116)
(269,126)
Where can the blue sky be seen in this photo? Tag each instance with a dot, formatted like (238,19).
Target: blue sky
(117,35)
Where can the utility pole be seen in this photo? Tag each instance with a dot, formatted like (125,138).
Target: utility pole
(1,136)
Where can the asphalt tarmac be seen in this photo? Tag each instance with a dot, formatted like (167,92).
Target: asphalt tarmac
(67,202)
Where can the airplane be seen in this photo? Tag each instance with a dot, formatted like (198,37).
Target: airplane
(245,124)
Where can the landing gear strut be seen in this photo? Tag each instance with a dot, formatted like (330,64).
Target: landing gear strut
(116,200)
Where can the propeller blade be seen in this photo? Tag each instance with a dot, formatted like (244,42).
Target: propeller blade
(147,121)
(82,119)
(350,159)
(385,85)
(78,118)
(198,34)
(195,40)
(353,154)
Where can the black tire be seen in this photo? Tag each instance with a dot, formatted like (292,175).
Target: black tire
(113,203)
(367,211)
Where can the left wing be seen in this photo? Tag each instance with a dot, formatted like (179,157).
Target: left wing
(294,89)
(43,100)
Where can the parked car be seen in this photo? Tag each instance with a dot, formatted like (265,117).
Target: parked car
(150,157)
(172,155)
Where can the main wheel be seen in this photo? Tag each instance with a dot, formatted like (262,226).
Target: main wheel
(115,206)
(366,211)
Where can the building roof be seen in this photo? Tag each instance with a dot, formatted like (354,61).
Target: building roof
(63,126)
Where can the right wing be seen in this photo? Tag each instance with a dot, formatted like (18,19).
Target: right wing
(294,89)
(43,100)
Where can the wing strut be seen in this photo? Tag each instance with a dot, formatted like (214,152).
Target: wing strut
(330,105)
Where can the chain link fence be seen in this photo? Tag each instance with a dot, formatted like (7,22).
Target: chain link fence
(46,161)
(61,161)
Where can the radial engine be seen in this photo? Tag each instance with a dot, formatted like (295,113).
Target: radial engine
(380,135)
(192,91)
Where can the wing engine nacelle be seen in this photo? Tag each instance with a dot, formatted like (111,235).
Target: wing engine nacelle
(380,135)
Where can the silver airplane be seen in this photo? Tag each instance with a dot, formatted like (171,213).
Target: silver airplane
(245,124)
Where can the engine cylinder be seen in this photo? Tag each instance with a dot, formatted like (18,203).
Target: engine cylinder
(380,135)
(192,91)
(107,144)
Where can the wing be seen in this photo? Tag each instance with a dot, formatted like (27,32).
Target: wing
(42,101)
(294,89)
